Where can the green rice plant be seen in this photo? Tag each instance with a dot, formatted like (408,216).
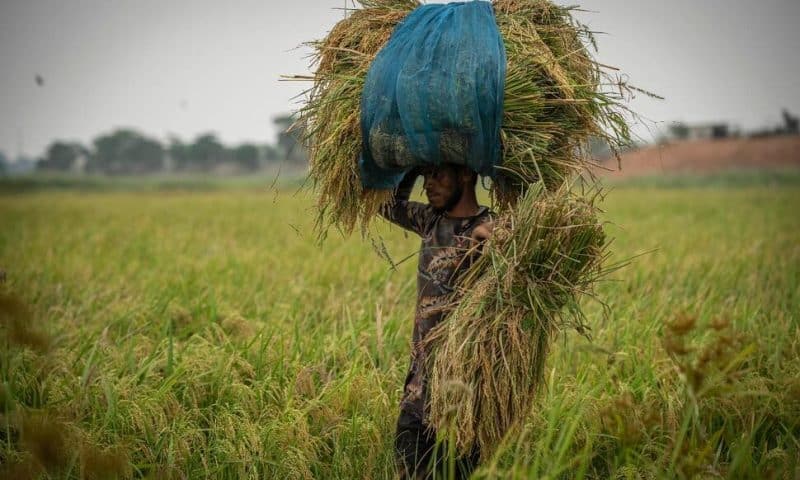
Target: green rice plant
(281,369)
(488,357)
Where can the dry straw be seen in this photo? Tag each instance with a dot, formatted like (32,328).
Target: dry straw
(488,357)
(556,97)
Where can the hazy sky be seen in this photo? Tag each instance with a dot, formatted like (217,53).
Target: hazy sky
(185,67)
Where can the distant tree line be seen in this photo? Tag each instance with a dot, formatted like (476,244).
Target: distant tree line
(129,152)
(20,165)
(683,131)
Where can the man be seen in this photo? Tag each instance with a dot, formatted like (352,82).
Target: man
(451,225)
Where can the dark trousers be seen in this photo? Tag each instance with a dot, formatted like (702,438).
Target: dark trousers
(420,457)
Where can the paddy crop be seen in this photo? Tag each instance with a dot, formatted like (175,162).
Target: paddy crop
(208,334)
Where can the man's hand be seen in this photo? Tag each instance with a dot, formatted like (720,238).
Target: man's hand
(483,231)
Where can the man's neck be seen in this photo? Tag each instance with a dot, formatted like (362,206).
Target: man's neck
(467,206)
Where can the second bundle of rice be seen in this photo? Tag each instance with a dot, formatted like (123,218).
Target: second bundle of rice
(488,357)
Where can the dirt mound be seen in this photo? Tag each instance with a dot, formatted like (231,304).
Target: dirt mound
(706,156)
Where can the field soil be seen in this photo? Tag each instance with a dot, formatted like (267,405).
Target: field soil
(705,157)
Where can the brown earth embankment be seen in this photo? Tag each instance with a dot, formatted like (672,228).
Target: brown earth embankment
(706,156)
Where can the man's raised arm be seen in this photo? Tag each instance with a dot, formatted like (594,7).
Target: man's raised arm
(401,211)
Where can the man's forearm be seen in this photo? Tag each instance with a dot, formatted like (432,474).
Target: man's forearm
(406,186)
(398,204)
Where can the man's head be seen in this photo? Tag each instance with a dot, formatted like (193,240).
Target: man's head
(447,183)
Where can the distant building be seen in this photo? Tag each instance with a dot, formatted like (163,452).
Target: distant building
(81,160)
(707,131)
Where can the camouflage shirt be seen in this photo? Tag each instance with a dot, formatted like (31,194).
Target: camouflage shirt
(442,258)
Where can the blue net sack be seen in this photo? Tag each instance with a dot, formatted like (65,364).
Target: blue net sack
(434,94)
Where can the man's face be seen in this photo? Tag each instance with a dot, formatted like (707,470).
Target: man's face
(442,187)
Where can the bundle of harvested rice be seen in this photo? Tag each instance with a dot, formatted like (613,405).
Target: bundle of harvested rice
(331,117)
(555,99)
(488,358)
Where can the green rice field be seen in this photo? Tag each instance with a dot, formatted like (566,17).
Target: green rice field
(206,333)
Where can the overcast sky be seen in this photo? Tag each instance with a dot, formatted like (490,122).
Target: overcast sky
(185,67)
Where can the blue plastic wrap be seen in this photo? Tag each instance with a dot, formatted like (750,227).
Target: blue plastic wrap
(434,94)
